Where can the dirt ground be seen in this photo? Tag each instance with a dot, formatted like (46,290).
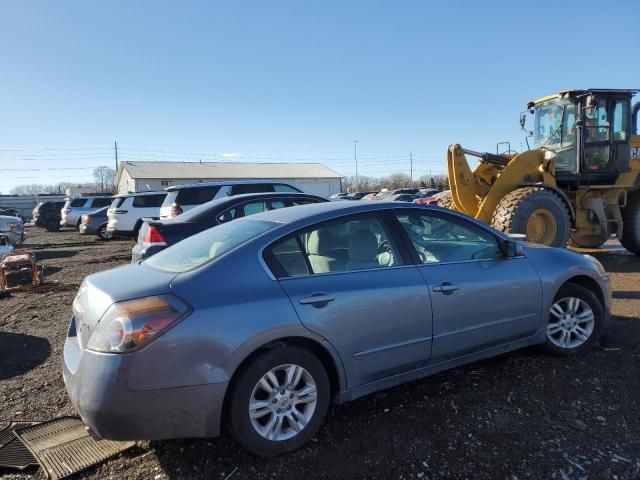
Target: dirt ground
(519,416)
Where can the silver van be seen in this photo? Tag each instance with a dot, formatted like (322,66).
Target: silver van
(75,207)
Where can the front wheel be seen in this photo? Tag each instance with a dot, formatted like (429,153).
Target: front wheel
(278,402)
(575,322)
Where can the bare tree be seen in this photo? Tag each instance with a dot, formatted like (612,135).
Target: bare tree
(105,178)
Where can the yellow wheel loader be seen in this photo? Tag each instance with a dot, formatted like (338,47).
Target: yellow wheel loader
(581,182)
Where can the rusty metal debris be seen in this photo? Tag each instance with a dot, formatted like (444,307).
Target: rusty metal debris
(19,271)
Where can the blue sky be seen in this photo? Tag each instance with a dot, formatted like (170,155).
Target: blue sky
(289,80)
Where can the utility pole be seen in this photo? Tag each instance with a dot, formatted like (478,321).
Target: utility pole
(411,162)
(355,158)
(115,144)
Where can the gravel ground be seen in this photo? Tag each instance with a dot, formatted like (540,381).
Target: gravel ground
(521,415)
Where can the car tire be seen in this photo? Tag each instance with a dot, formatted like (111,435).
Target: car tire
(247,386)
(577,317)
(52,225)
(517,208)
(103,233)
(631,224)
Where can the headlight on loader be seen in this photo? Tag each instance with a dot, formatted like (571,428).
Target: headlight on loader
(129,325)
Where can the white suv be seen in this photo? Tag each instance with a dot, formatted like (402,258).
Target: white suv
(181,198)
(75,207)
(127,210)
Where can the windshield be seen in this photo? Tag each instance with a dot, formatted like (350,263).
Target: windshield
(554,124)
(199,249)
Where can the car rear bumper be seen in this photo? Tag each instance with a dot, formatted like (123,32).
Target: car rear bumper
(97,386)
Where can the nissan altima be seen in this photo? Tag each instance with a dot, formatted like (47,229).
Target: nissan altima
(258,324)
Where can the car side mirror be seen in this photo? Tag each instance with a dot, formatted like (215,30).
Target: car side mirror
(523,120)
(512,249)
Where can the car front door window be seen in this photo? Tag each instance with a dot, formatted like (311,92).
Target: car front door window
(438,239)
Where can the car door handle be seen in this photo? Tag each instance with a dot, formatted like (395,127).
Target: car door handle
(445,288)
(316,299)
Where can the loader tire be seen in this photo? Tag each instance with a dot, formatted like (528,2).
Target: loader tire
(536,212)
(631,224)
(445,199)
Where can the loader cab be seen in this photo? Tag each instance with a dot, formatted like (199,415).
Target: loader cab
(589,132)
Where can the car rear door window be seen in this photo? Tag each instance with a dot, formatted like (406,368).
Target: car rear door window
(440,239)
(78,202)
(350,245)
(100,202)
(286,259)
(196,195)
(244,210)
(251,188)
(148,201)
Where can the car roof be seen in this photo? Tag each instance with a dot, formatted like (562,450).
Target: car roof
(86,198)
(139,194)
(221,183)
(317,211)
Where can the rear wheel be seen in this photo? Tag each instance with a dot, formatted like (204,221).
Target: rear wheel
(103,233)
(278,402)
(631,224)
(537,212)
(52,225)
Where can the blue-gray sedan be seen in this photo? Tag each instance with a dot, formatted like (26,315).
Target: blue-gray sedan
(261,322)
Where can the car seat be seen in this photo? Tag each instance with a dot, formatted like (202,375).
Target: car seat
(320,246)
(363,248)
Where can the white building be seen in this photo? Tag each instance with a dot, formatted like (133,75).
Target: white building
(312,178)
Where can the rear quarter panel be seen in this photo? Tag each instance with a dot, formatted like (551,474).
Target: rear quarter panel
(237,309)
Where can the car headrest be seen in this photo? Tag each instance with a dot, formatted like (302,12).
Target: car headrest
(363,246)
(320,242)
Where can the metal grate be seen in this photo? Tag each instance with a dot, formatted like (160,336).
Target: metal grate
(13,454)
(64,447)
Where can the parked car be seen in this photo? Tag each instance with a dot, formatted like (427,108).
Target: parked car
(387,194)
(11,212)
(13,228)
(359,195)
(95,223)
(402,197)
(370,196)
(182,198)
(47,215)
(263,321)
(339,196)
(156,235)
(5,246)
(75,207)
(128,209)
(427,192)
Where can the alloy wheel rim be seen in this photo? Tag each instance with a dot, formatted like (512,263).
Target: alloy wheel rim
(571,323)
(104,233)
(541,227)
(283,402)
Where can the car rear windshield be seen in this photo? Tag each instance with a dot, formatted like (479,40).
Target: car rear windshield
(203,247)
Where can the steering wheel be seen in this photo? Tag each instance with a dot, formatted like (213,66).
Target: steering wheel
(385,247)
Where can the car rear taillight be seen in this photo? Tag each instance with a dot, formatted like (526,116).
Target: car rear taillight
(175,210)
(128,325)
(86,218)
(152,235)
(120,212)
